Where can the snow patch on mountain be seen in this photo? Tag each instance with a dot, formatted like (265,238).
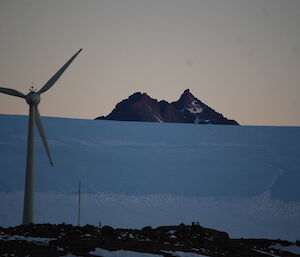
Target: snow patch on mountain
(158,118)
(194,107)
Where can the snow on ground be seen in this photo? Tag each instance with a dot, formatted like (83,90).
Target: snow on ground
(37,240)
(240,217)
(121,253)
(244,180)
(291,248)
(185,254)
(265,253)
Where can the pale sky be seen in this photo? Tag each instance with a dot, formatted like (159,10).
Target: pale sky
(241,57)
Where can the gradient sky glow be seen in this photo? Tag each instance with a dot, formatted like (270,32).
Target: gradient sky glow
(241,57)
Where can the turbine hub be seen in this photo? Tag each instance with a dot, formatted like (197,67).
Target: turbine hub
(33,98)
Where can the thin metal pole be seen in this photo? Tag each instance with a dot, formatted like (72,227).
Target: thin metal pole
(79,186)
(28,208)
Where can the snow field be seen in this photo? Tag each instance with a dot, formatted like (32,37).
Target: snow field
(240,179)
(240,217)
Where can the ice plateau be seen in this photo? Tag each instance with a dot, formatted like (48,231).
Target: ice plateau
(241,179)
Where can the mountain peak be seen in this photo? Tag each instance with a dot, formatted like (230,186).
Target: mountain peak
(188,109)
(135,95)
(187,93)
(186,98)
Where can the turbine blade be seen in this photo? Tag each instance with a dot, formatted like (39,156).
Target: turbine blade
(13,92)
(56,76)
(40,127)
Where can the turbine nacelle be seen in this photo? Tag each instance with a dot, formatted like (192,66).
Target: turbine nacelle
(33,98)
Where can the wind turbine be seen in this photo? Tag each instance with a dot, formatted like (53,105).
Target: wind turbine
(33,99)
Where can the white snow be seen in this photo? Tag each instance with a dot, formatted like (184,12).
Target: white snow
(291,248)
(241,217)
(266,253)
(121,253)
(158,118)
(194,107)
(37,240)
(184,254)
(240,179)
(197,120)
(149,107)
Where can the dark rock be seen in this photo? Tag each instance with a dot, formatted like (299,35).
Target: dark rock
(165,240)
(188,109)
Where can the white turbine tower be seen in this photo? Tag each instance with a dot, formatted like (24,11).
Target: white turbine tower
(33,99)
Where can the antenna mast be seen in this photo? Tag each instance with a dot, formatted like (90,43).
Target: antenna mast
(78,218)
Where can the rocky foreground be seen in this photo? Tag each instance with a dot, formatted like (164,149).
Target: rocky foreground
(170,241)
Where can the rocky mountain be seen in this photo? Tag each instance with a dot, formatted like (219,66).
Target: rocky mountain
(188,109)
